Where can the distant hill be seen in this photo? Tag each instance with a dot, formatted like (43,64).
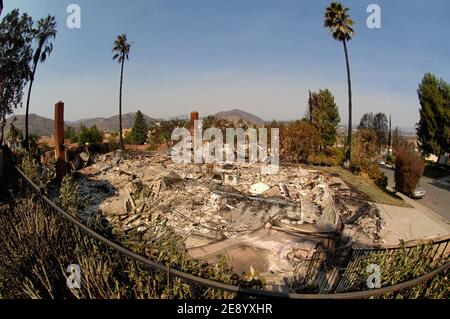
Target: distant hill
(409,131)
(111,123)
(43,126)
(236,115)
(37,124)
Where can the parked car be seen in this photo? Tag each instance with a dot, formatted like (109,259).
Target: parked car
(418,193)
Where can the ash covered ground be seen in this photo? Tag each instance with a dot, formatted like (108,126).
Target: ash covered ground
(267,224)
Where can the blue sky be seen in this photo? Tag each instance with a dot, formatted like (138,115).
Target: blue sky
(261,56)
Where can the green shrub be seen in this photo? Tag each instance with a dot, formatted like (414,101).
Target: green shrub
(337,153)
(39,174)
(322,160)
(71,134)
(68,195)
(89,135)
(380,179)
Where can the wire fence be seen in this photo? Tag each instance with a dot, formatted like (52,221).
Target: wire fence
(336,273)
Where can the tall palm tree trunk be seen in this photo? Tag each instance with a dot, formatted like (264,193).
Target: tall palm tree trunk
(27,146)
(120,105)
(349,138)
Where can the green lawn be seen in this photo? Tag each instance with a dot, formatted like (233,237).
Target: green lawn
(368,190)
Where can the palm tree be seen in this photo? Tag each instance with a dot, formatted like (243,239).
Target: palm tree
(121,50)
(44,33)
(340,25)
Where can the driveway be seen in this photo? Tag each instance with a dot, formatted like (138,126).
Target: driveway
(437,197)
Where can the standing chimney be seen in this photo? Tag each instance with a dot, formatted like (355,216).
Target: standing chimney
(194,117)
(60,154)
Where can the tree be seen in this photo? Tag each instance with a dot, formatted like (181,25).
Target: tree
(140,130)
(380,125)
(92,135)
(33,141)
(96,135)
(366,121)
(83,135)
(311,106)
(15,56)
(364,150)
(364,157)
(325,116)
(433,129)
(397,139)
(71,134)
(121,52)
(44,34)
(161,132)
(14,134)
(340,24)
(298,140)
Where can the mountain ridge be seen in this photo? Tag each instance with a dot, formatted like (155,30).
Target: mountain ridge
(235,115)
(44,126)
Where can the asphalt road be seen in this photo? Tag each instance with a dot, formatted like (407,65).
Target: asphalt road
(437,197)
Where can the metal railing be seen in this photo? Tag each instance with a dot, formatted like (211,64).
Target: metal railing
(330,271)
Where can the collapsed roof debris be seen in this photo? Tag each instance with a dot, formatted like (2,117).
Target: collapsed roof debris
(259,220)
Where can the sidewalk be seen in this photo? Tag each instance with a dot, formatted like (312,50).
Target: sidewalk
(419,222)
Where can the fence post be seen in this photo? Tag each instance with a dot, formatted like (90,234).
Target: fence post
(60,154)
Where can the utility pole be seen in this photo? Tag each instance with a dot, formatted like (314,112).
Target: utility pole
(390,135)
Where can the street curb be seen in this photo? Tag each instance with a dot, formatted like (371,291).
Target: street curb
(432,214)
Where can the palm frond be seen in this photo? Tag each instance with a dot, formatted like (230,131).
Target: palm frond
(121,48)
(339,22)
(45,32)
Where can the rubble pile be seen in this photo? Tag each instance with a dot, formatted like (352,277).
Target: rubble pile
(361,217)
(216,206)
(212,201)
